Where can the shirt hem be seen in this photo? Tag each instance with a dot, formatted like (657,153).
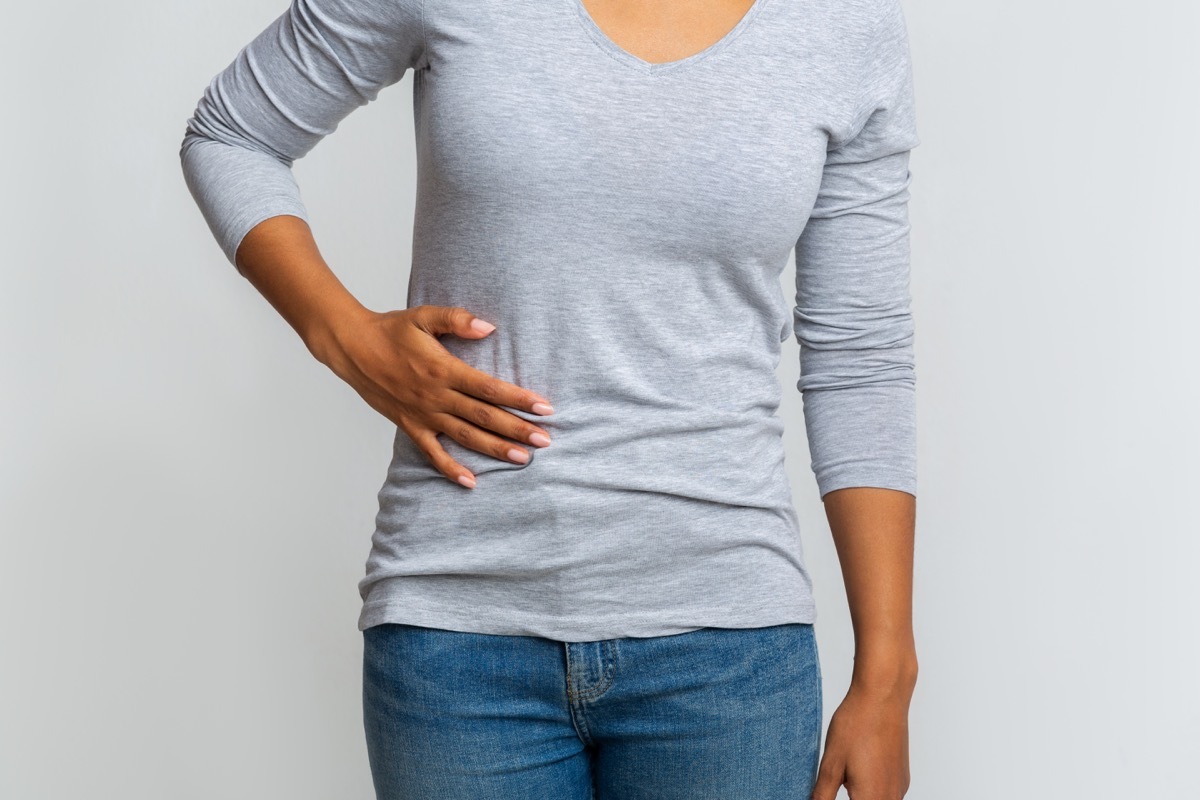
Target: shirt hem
(476,620)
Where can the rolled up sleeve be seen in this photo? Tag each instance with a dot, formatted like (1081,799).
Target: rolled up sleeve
(284,91)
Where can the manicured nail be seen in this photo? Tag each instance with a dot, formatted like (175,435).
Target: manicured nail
(543,408)
(481,326)
(518,455)
(467,481)
(540,439)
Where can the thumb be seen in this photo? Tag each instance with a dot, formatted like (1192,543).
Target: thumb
(457,320)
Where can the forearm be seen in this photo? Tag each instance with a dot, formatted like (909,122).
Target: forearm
(873,531)
(280,258)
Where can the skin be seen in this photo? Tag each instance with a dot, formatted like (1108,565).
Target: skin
(665,31)
(396,363)
(866,747)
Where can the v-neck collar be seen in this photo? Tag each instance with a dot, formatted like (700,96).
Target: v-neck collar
(597,34)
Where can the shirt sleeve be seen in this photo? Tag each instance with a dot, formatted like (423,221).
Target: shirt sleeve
(852,316)
(283,92)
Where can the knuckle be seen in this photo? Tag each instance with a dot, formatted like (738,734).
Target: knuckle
(483,416)
(417,391)
(438,457)
(489,389)
(435,372)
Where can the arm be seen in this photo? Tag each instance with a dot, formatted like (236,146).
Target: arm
(867,744)
(280,258)
(284,92)
(873,534)
(281,95)
(855,328)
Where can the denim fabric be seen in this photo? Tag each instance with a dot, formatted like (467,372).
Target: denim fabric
(711,714)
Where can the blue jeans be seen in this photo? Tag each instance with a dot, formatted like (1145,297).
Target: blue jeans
(711,714)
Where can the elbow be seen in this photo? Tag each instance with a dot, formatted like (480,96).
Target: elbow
(214,124)
(847,351)
(190,139)
(191,158)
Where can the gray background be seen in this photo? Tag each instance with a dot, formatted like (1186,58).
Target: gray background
(186,496)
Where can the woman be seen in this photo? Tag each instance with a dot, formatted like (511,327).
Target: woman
(592,584)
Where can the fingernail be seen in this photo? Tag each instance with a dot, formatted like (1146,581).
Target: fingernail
(481,326)
(467,481)
(518,455)
(540,439)
(543,408)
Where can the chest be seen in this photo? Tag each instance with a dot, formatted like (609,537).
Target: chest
(533,104)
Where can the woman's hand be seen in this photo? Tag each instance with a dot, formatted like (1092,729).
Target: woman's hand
(393,359)
(396,363)
(866,748)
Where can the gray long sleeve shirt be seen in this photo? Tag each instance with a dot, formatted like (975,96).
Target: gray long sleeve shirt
(625,225)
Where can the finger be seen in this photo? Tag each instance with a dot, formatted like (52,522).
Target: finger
(497,420)
(493,390)
(467,379)
(438,320)
(475,438)
(427,442)
(829,779)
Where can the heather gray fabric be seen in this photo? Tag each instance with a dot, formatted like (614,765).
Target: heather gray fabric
(624,225)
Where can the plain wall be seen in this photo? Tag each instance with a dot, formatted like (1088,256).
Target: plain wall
(187,496)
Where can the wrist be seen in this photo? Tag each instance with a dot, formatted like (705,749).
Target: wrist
(886,668)
(326,334)
(885,678)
